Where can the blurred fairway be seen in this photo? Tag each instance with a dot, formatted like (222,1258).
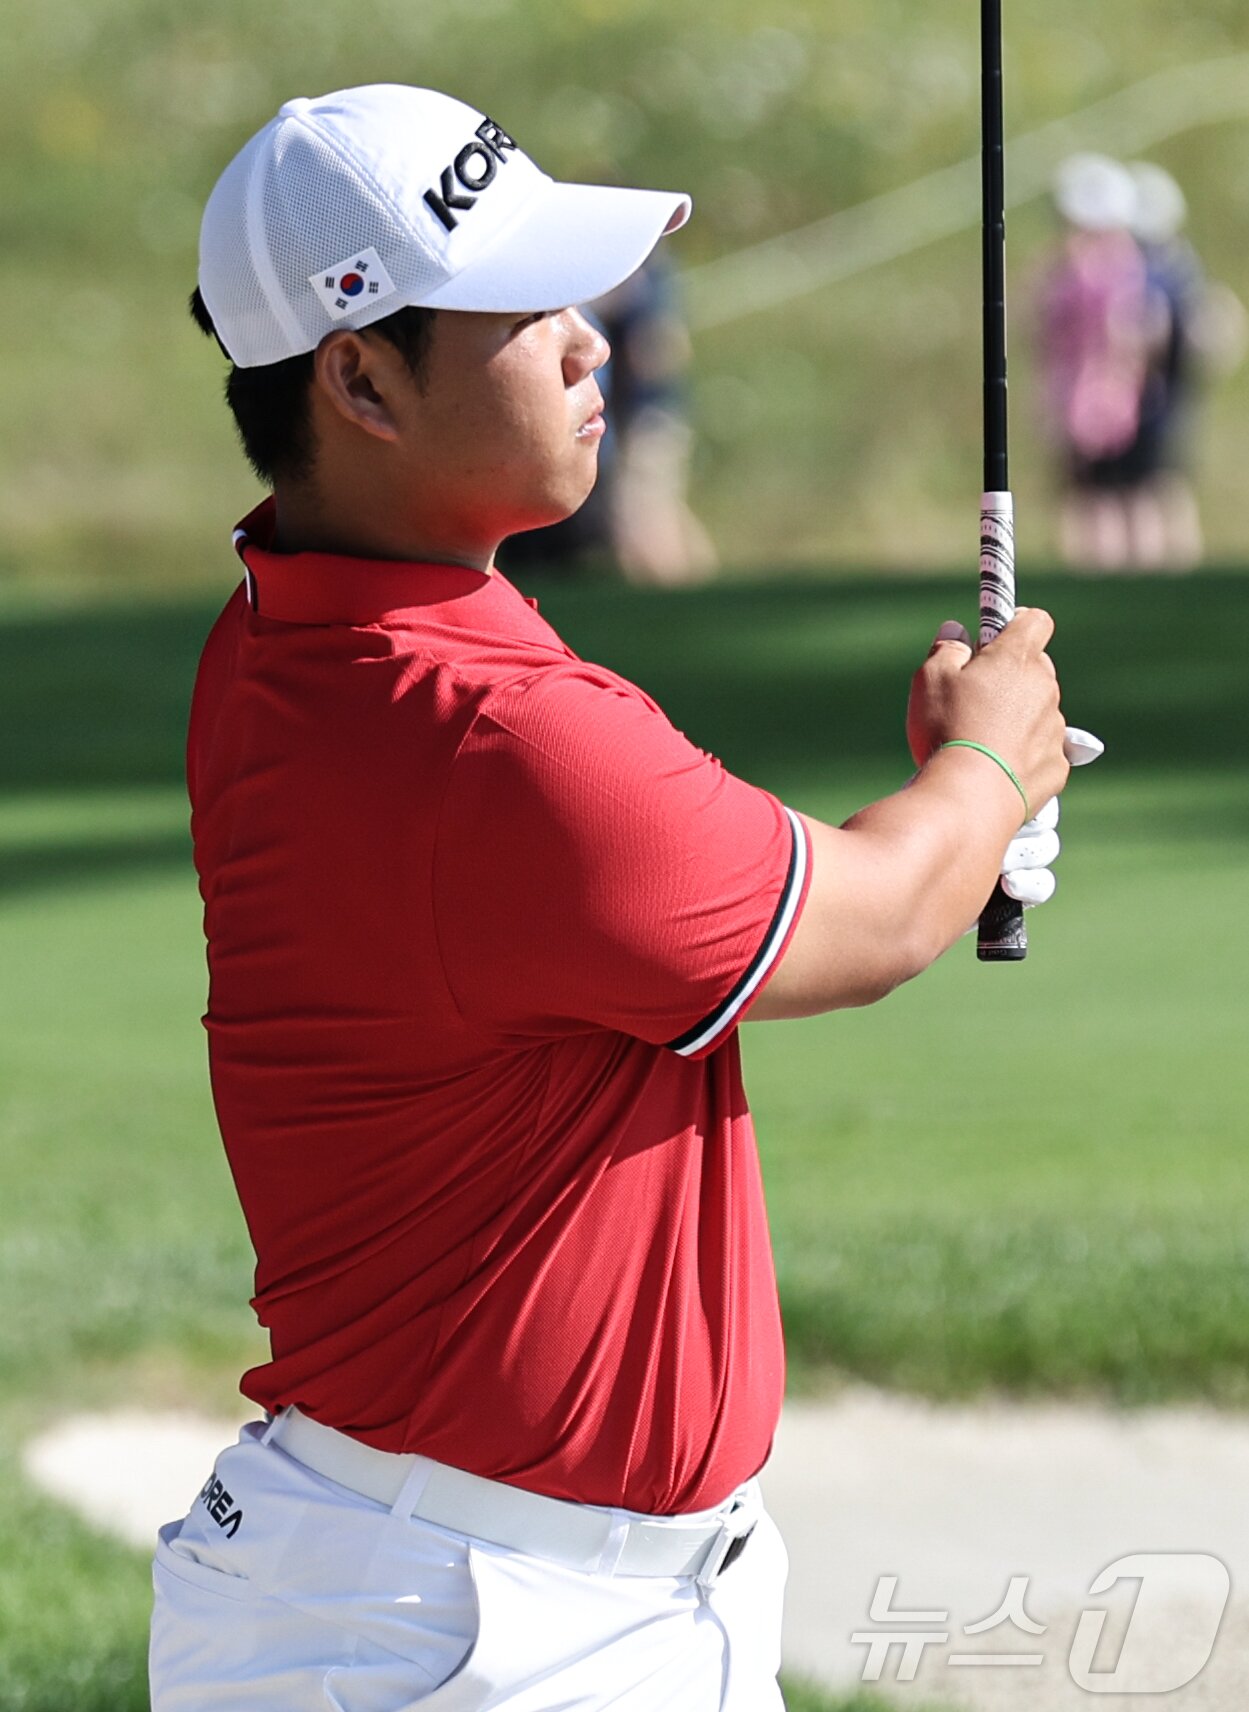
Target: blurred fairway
(1027,1180)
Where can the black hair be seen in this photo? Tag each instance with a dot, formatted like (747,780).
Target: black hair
(270,403)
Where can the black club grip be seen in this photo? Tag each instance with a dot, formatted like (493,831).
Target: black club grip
(1003,938)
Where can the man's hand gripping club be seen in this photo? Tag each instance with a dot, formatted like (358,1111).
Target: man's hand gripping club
(1027,864)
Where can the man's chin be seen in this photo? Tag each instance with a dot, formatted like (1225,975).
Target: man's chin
(557,514)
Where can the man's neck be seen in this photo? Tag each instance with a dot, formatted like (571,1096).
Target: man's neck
(303,524)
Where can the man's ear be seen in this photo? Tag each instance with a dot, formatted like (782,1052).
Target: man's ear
(354,376)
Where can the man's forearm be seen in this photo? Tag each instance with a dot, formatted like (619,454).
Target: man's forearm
(942,839)
(895,886)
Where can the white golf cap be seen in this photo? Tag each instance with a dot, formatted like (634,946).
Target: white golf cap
(347,207)
(1095,193)
(1161,209)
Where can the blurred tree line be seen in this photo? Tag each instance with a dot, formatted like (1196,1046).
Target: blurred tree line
(841,427)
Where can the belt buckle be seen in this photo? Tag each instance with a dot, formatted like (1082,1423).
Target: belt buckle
(725,1549)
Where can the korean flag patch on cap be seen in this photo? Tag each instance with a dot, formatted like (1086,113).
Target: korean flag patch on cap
(350,285)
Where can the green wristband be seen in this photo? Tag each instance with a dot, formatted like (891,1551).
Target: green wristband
(983,749)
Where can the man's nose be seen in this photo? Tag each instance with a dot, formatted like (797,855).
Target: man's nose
(586,350)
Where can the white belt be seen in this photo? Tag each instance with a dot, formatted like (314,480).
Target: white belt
(580,1536)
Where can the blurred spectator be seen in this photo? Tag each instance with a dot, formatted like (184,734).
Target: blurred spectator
(1128,327)
(638,515)
(1096,336)
(1198,329)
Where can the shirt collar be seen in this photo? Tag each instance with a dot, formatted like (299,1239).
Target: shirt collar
(332,588)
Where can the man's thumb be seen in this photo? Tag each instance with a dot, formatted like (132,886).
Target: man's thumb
(950,631)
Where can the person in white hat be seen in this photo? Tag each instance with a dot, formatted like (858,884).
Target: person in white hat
(482,926)
(1199,334)
(1096,333)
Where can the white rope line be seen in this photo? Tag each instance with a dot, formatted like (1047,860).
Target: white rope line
(841,245)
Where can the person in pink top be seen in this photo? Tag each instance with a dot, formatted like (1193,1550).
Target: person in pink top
(1098,332)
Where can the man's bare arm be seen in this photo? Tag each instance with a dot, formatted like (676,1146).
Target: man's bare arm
(901,880)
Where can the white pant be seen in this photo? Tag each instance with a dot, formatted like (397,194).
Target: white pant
(284,1592)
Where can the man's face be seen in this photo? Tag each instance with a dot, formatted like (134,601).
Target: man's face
(503,435)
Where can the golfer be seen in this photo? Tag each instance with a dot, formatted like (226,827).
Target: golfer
(482,927)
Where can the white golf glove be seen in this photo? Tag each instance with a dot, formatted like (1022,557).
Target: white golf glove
(1026,866)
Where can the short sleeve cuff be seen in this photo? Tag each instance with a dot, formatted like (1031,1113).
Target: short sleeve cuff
(710,1032)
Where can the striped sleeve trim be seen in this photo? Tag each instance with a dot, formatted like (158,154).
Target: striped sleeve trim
(241,541)
(722,1019)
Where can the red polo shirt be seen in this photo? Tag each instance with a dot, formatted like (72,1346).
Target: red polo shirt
(481,925)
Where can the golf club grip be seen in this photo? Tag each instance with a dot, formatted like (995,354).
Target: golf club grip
(1002,936)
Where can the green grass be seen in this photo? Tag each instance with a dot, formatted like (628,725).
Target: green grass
(1028,1179)
(73,1611)
(801,1696)
(1012,1180)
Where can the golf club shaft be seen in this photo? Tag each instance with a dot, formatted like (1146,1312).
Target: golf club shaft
(1002,937)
